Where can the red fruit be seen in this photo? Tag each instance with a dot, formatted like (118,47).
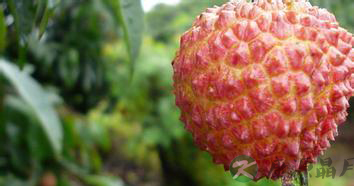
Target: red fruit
(266,79)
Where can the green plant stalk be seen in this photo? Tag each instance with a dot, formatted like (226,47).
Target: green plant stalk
(2,96)
(22,46)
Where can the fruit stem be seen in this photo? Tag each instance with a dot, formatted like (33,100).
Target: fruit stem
(304,178)
(294,179)
(288,179)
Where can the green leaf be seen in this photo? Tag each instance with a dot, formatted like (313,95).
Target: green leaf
(15,137)
(37,99)
(21,11)
(39,147)
(27,15)
(11,180)
(132,17)
(129,14)
(3,30)
(24,16)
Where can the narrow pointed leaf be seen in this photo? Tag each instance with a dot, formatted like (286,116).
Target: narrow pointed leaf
(130,16)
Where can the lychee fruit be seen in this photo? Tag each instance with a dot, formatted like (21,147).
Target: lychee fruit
(269,79)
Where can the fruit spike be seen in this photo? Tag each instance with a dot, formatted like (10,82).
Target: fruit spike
(268,79)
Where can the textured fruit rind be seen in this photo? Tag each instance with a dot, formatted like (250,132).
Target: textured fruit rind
(266,79)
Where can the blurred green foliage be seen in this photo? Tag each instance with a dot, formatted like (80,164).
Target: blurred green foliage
(86,94)
(53,57)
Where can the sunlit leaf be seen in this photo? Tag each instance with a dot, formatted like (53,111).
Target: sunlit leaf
(37,98)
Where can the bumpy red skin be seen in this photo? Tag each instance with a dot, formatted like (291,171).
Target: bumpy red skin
(264,79)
